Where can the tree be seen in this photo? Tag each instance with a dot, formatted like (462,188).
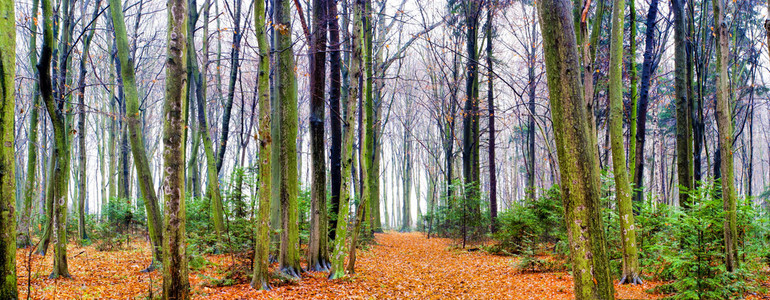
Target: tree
(176,283)
(491,100)
(60,157)
(725,128)
(29,190)
(318,253)
(580,173)
(648,68)
(7,159)
(335,114)
(260,278)
(287,123)
(683,128)
(471,108)
(141,162)
(82,123)
(622,188)
(338,247)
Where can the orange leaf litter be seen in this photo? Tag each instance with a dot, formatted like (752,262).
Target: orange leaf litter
(399,266)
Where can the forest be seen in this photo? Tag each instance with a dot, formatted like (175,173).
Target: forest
(384,149)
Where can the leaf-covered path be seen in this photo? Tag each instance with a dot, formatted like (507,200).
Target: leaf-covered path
(399,266)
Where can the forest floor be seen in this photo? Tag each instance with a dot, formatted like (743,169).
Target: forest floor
(398,266)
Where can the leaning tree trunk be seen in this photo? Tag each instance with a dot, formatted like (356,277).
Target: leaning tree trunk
(287,108)
(234,64)
(579,171)
(60,157)
(725,126)
(260,278)
(641,122)
(141,162)
(338,247)
(8,288)
(176,283)
(622,188)
(318,253)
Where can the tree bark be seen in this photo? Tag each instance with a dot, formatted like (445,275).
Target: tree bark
(335,114)
(8,289)
(622,188)
(287,108)
(141,161)
(648,68)
(260,278)
(580,175)
(338,247)
(725,128)
(30,184)
(234,65)
(318,255)
(176,283)
(683,128)
(491,100)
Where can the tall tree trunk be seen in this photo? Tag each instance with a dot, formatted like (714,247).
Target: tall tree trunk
(622,188)
(176,283)
(141,162)
(633,78)
(580,175)
(683,128)
(31,183)
(82,123)
(338,247)
(318,255)
(725,126)
(491,100)
(287,108)
(648,68)
(335,114)
(60,158)
(470,111)
(8,288)
(406,214)
(198,87)
(260,278)
(370,173)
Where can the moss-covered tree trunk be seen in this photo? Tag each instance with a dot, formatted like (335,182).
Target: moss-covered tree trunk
(683,128)
(176,283)
(338,247)
(25,215)
(579,171)
(725,126)
(286,88)
(133,120)
(260,277)
(622,187)
(60,157)
(8,288)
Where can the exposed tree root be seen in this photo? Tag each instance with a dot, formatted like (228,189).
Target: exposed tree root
(633,279)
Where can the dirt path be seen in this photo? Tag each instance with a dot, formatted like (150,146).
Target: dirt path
(399,266)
